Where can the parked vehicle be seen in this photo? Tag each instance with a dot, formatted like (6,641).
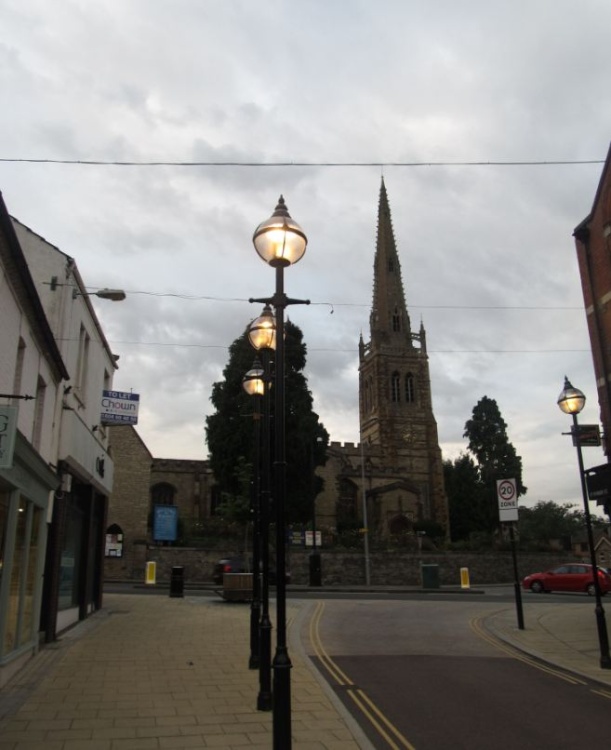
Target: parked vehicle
(570,577)
(237,565)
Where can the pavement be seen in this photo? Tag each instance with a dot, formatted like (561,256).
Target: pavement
(154,672)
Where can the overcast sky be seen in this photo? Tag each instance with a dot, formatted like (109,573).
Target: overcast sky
(487,253)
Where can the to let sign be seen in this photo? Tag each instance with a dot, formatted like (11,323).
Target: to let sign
(119,408)
(508,500)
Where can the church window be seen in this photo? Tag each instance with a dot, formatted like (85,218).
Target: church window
(395,389)
(391,265)
(396,320)
(370,394)
(163,494)
(410,393)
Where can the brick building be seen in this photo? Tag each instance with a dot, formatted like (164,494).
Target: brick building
(593,243)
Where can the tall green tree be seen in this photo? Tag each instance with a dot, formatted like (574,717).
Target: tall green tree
(230,432)
(496,457)
(466,497)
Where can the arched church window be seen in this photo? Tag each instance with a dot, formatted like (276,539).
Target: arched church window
(410,391)
(162,493)
(396,320)
(395,387)
(371,399)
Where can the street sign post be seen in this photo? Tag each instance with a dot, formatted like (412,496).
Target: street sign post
(508,500)
(507,495)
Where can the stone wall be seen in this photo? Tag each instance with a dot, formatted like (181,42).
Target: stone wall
(348,569)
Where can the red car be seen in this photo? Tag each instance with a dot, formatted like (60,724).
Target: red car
(569,577)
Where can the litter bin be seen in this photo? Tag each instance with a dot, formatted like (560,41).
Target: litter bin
(177,581)
(430,576)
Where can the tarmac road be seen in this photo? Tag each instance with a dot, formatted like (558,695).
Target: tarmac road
(420,675)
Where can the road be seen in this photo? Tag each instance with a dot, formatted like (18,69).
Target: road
(423,674)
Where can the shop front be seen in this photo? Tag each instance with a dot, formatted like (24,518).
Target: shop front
(25,489)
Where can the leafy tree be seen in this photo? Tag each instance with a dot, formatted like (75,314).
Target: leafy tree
(230,432)
(466,497)
(496,457)
(547,522)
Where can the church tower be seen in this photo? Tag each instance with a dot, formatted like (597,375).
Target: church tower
(398,430)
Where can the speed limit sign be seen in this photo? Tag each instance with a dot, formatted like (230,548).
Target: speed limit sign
(508,499)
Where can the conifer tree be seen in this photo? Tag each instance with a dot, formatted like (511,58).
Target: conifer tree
(230,430)
(496,457)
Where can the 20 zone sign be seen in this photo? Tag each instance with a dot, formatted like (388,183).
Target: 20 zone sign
(508,499)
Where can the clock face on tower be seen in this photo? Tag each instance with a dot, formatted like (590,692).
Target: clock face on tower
(408,435)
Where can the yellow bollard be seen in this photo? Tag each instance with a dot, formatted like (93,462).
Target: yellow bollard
(151,573)
(464,578)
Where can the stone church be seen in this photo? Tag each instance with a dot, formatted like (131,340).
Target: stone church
(396,468)
(398,462)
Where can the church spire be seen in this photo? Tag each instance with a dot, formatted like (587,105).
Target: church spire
(389,318)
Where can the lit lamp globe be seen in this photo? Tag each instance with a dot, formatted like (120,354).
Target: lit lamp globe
(253,382)
(280,241)
(571,400)
(262,331)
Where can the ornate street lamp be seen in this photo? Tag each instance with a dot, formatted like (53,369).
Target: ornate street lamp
(262,336)
(280,242)
(254,385)
(571,401)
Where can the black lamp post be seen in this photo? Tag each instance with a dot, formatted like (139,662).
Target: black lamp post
(262,336)
(254,385)
(571,400)
(280,242)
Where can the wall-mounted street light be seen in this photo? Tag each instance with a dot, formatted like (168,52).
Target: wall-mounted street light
(280,242)
(254,385)
(571,401)
(262,336)
(115,295)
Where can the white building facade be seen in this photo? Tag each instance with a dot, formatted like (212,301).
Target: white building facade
(32,373)
(75,551)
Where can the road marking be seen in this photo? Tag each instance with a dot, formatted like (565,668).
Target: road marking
(373,713)
(478,628)
(366,706)
(340,677)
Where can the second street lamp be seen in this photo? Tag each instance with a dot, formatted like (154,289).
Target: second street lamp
(280,241)
(262,336)
(571,401)
(254,385)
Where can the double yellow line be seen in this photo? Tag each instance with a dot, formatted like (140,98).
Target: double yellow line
(478,628)
(382,725)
